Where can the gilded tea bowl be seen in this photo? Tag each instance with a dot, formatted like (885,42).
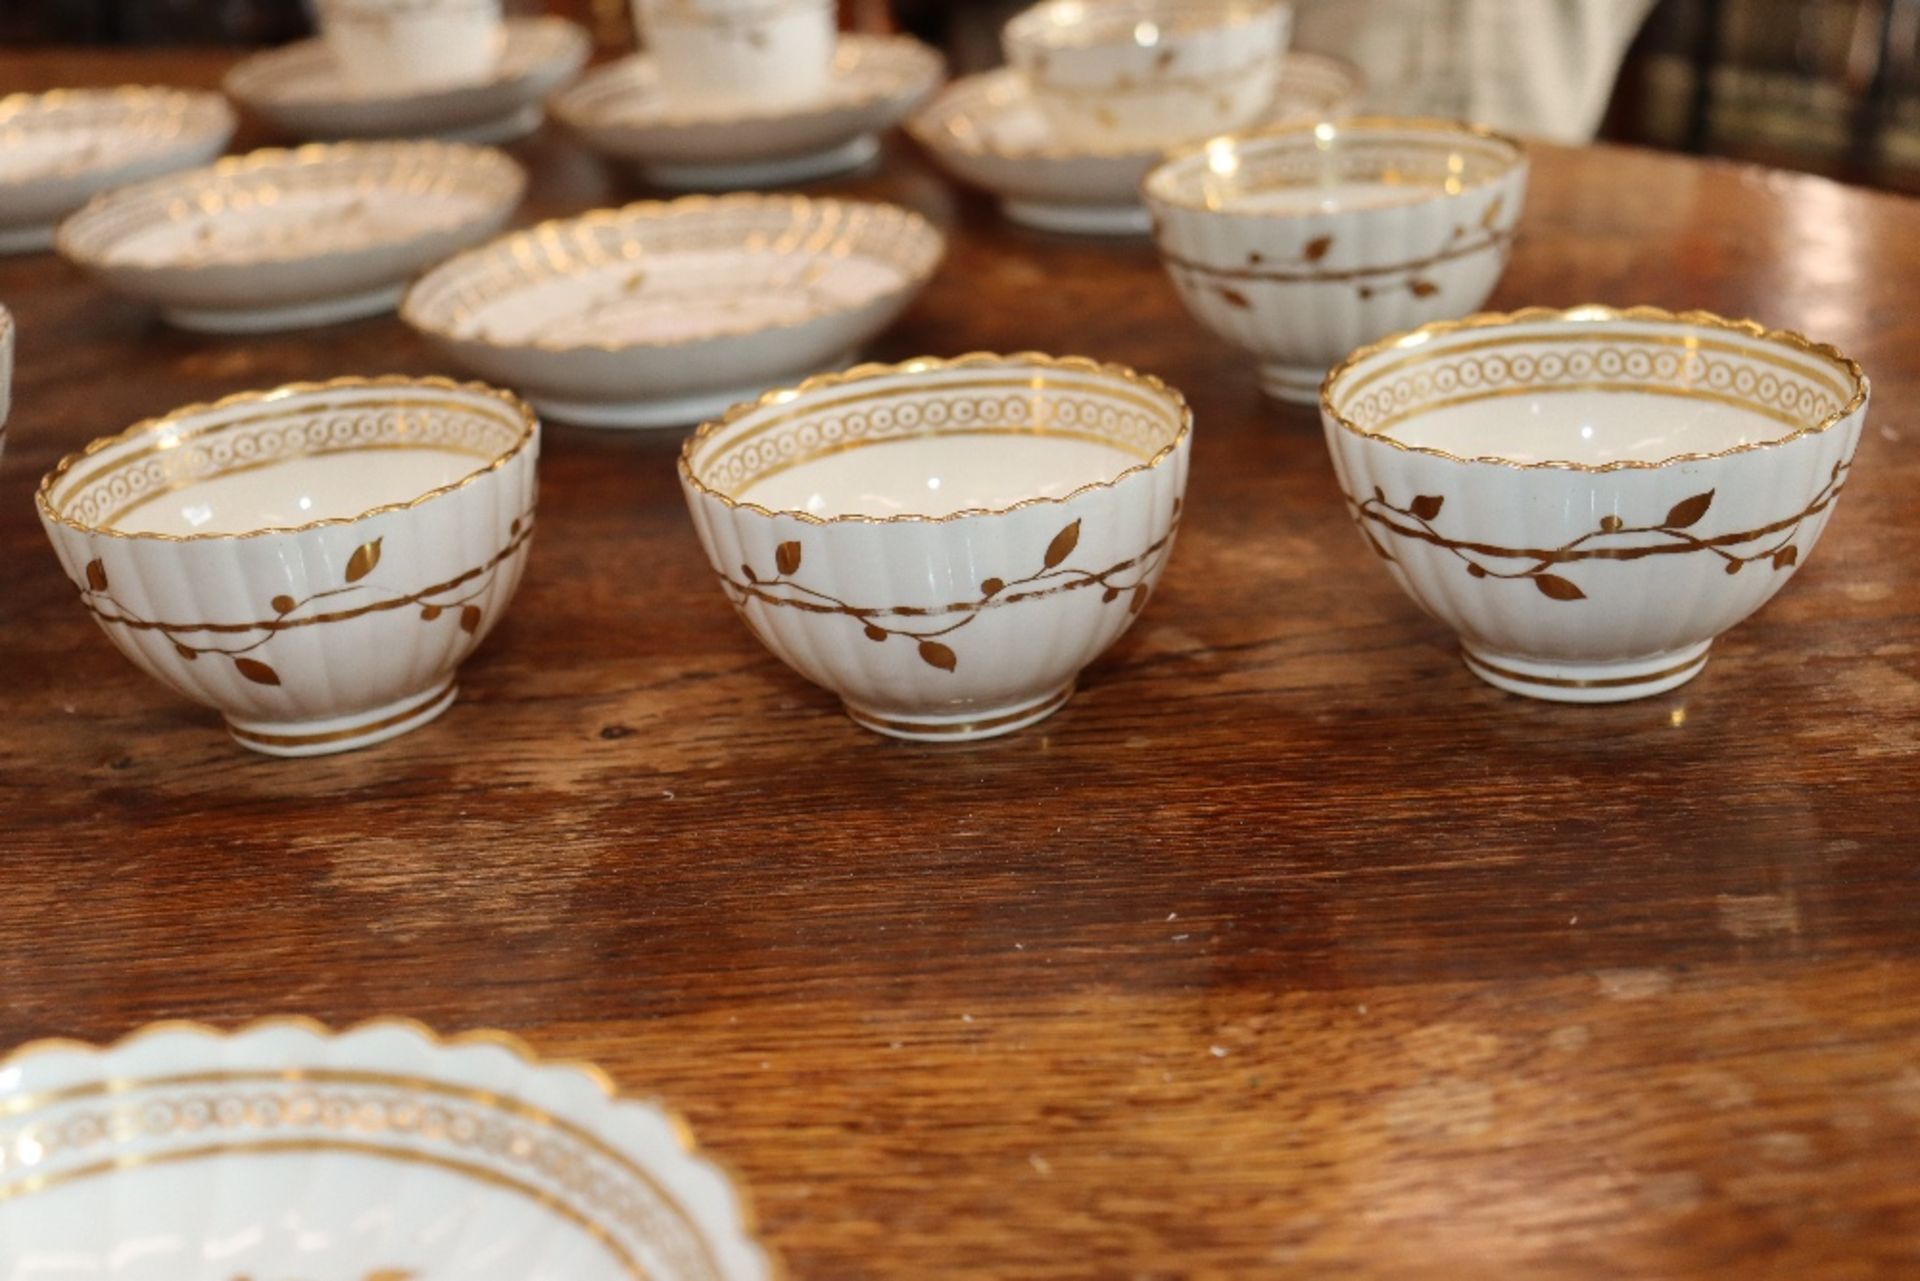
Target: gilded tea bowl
(1303,241)
(1589,497)
(314,562)
(944,543)
(380,1153)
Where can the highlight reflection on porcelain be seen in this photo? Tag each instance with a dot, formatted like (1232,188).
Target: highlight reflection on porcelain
(726,55)
(301,90)
(663,313)
(1589,497)
(380,1153)
(314,562)
(1300,243)
(1148,72)
(944,544)
(384,45)
(283,239)
(60,149)
(986,130)
(625,112)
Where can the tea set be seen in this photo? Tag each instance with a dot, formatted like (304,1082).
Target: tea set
(1587,496)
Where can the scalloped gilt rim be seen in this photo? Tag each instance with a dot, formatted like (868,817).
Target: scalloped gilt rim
(920,364)
(801,207)
(573,105)
(209,113)
(511,1042)
(928,125)
(528,420)
(1285,131)
(486,166)
(1601,313)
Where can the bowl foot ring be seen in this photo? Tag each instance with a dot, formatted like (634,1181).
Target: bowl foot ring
(1292,384)
(1588,682)
(974,723)
(343,733)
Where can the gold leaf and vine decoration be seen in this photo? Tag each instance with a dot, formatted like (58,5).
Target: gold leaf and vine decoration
(1416,521)
(1129,578)
(457,596)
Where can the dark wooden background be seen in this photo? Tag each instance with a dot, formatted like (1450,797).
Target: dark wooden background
(1286,949)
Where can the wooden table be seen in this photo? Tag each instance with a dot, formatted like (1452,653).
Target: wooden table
(1286,949)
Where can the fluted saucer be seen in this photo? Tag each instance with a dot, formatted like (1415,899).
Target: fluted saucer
(987,130)
(299,89)
(622,112)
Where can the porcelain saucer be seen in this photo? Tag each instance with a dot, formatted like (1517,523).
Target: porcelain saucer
(622,112)
(299,90)
(281,239)
(60,149)
(988,131)
(666,312)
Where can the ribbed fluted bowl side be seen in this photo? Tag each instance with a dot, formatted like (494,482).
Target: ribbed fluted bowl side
(1304,242)
(1592,565)
(382,1150)
(962,617)
(294,633)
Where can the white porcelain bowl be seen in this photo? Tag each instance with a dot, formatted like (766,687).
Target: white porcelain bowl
(60,149)
(987,130)
(726,54)
(1302,242)
(944,543)
(1148,72)
(662,313)
(378,1153)
(285,239)
(314,562)
(302,90)
(1589,497)
(626,112)
(412,45)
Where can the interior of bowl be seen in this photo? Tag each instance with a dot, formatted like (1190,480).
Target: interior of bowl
(929,439)
(287,205)
(1333,166)
(288,459)
(71,130)
(1074,24)
(1592,387)
(684,271)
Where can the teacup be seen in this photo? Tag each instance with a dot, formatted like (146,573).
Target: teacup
(406,45)
(1589,497)
(944,543)
(729,54)
(315,562)
(1148,72)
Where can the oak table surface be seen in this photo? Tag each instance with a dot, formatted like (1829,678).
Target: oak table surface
(1286,949)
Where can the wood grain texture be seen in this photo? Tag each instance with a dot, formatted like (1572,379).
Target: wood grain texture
(1286,949)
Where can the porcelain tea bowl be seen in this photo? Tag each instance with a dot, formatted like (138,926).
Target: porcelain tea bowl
(412,45)
(313,562)
(727,54)
(1302,242)
(1148,72)
(944,543)
(380,1153)
(1589,497)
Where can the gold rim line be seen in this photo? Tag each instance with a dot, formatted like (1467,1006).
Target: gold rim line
(514,1045)
(1560,682)
(1039,362)
(919,70)
(529,432)
(1358,128)
(1605,387)
(1586,314)
(487,173)
(521,258)
(293,1147)
(259,79)
(201,114)
(445,693)
(1228,15)
(1497,241)
(1041,708)
(1331,82)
